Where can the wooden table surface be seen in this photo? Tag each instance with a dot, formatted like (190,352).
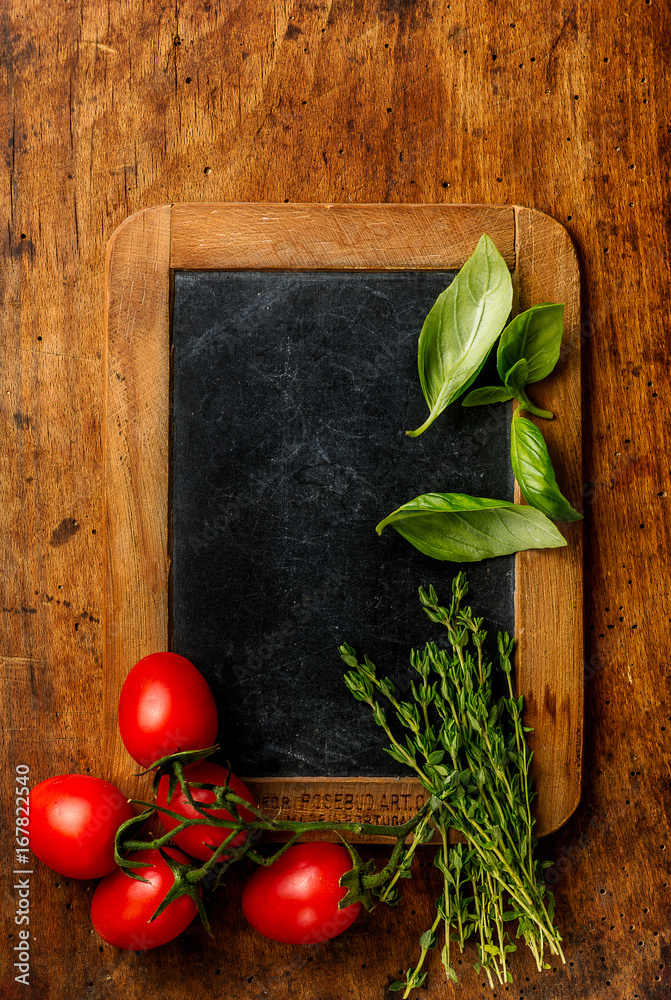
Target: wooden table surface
(109,108)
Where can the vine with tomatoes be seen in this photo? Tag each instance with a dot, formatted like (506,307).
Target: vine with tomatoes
(466,745)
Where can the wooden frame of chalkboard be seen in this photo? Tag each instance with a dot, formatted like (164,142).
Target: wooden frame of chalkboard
(142,254)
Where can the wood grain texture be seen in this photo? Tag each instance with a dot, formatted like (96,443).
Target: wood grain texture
(207,237)
(137,441)
(343,800)
(106,109)
(549,654)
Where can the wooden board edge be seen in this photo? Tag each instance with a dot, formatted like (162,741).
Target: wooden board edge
(549,583)
(136,420)
(383,801)
(342,236)
(143,236)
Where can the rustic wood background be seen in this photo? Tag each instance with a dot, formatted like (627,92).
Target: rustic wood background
(108,108)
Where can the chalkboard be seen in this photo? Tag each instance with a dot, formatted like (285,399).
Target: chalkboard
(291,395)
(260,373)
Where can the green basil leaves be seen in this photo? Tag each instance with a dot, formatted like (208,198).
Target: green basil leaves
(534,335)
(528,351)
(533,471)
(489,394)
(462,327)
(461,528)
(516,379)
(455,341)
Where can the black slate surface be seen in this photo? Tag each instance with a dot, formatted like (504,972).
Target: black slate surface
(292,392)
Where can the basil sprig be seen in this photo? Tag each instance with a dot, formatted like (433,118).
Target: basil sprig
(461,528)
(462,327)
(533,471)
(527,352)
(534,335)
(455,341)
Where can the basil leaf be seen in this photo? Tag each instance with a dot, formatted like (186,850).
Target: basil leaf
(461,328)
(516,377)
(460,528)
(534,335)
(533,471)
(489,394)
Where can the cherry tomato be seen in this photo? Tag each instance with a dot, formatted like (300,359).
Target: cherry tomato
(195,839)
(121,906)
(296,898)
(166,705)
(72,821)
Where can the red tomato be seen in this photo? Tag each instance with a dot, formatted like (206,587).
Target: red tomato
(195,839)
(72,821)
(166,705)
(296,899)
(121,906)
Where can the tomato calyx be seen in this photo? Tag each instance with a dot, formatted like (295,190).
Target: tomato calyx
(224,797)
(173,763)
(357,880)
(363,882)
(173,766)
(187,878)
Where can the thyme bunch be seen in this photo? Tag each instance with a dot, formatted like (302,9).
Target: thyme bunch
(468,749)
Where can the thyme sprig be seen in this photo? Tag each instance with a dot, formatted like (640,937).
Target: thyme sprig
(468,749)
